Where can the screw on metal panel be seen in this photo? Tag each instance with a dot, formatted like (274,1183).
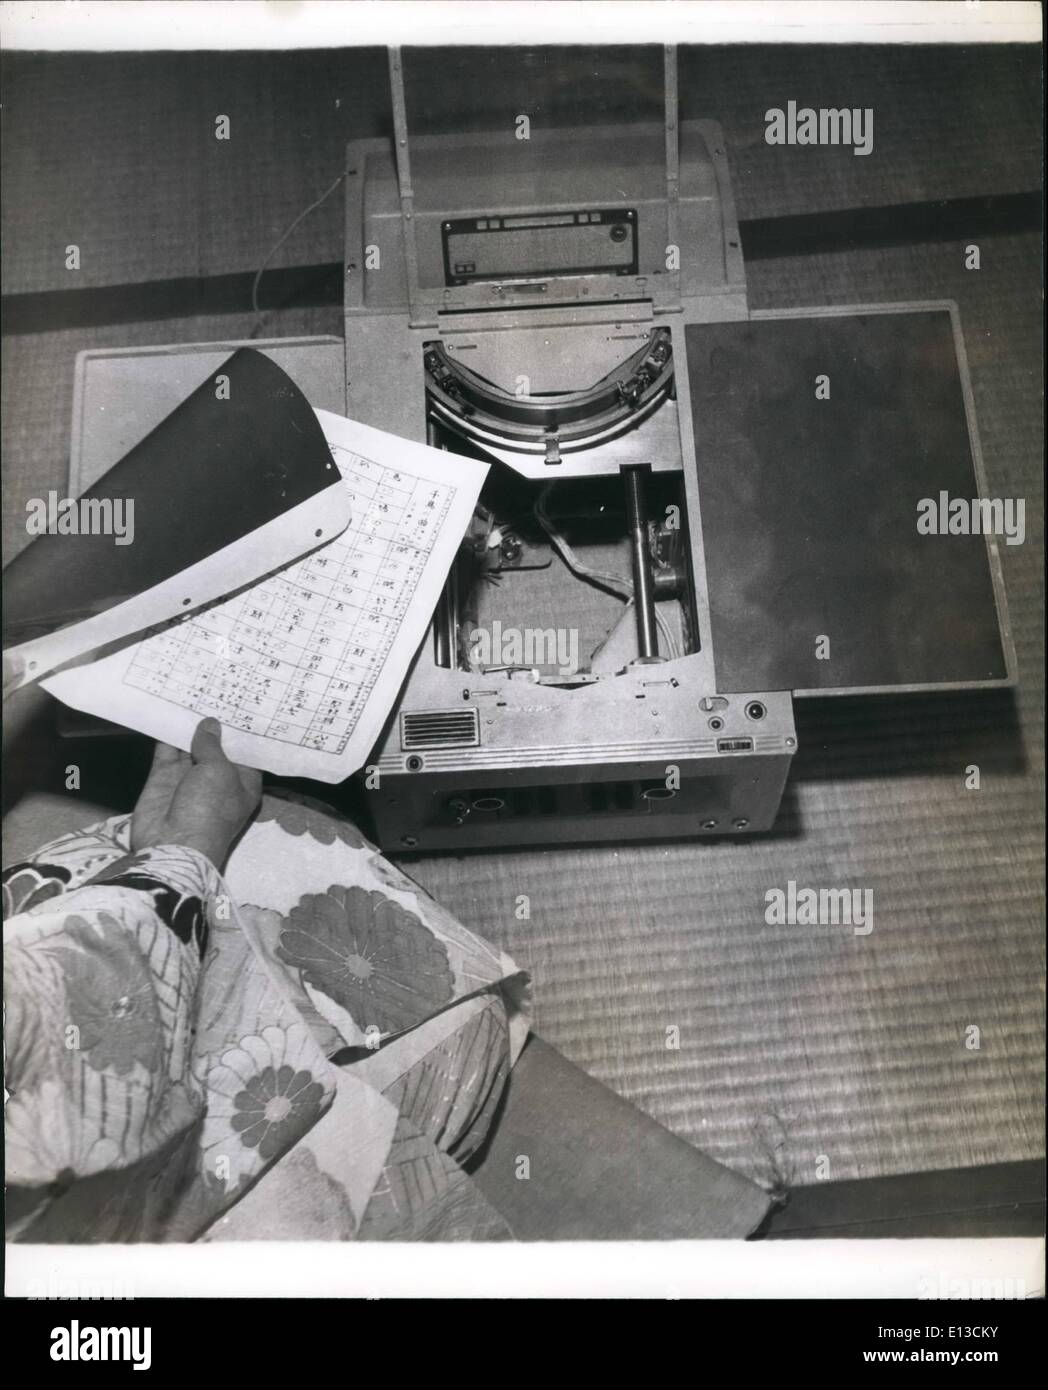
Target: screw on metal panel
(741,823)
(709,825)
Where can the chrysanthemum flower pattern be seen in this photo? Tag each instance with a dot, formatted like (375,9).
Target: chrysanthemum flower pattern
(272,1107)
(225,1051)
(371,956)
(263,1096)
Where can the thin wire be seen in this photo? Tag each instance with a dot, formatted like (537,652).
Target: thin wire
(298,220)
(622,588)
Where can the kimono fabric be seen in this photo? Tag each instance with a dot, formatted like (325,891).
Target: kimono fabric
(304,1047)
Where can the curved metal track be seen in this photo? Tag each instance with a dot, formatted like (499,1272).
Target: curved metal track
(478,409)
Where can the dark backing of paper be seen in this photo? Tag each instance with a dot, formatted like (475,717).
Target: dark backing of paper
(233,456)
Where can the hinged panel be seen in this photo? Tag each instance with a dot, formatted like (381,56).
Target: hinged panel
(818,434)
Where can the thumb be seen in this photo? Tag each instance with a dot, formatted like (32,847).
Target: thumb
(207,743)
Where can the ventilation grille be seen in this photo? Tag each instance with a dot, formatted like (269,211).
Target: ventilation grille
(453,728)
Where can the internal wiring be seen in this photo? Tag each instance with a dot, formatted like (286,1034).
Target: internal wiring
(616,584)
(623,588)
(297,222)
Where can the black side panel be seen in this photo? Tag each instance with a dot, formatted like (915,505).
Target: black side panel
(810,507)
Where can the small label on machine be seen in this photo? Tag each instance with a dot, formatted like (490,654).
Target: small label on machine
(525,245)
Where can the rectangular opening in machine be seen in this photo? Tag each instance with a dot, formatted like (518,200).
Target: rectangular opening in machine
(578,560)
(574,578)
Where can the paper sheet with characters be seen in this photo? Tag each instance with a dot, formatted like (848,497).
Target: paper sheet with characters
(304,667)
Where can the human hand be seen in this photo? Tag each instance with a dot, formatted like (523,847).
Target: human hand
(198,799)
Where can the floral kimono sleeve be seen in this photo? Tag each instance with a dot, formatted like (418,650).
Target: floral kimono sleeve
(99,989)
(305,1046)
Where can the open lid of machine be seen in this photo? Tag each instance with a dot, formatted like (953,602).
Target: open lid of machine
(576,197)
(830,445)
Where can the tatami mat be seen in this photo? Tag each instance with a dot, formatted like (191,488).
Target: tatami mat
(102,150)
(797,1044)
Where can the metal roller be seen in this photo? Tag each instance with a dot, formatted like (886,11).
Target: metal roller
(643,581)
